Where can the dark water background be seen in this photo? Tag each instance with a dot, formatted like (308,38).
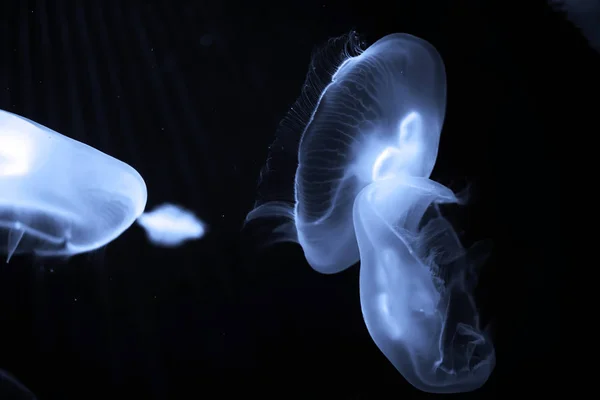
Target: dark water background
(190,94)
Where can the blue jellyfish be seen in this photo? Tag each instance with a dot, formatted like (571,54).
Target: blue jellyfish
(366,135)
(169,225)
(60,197)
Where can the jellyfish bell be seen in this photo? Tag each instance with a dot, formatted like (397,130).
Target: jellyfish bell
(58,196)
(12,388)
(364,113)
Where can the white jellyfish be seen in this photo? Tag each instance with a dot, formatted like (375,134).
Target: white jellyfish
(366,136)
(169,225)
(60,197)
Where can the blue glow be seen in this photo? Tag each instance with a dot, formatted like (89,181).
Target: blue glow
(367,142)
(60,197)
(169,225)
(11,388)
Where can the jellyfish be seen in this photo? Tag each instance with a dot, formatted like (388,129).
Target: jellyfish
(366,131)
(60,197)
(169,225)
(584,15)
(11,388)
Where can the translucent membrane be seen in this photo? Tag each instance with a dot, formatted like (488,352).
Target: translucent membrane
(60,197)
(367,142)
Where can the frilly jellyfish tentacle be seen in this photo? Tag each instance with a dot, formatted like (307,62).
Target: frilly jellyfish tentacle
(277,195)
(422,318)
(60,197)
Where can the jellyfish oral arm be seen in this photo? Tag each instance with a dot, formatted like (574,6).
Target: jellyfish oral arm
(405,303)
(404,255)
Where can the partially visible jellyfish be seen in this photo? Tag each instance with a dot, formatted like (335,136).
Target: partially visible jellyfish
(366,135)
(583,14)
(169,225)
(11,388)
(60,197)
(416,283)
(372,97)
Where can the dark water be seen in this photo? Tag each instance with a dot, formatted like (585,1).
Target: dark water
(190,94)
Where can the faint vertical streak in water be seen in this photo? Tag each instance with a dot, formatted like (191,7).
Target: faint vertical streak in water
(146,336)
(97,97)
(229,57)
(109,56)
(27,97)
(167,114)
(74,104)
(5,67)
(123,136)
(166,24)
(135,76)
(50,95)
(40,321)
(223,50)
(192,124)
(101,278)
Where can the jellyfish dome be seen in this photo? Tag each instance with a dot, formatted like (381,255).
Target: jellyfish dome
(60,197)
(379,112)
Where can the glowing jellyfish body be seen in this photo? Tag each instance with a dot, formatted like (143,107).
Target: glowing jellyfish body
(60,197)
(170,226)
(371,113)
(362,192)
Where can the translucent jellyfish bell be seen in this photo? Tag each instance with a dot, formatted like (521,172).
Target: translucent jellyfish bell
(361,192)
(381,107)
(60,197)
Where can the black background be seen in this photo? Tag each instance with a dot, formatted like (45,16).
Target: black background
(190,94)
